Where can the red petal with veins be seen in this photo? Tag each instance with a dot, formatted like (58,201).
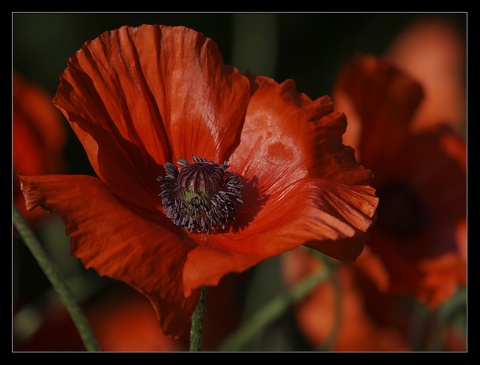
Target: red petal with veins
(138,97)
(327,216)
(117,243)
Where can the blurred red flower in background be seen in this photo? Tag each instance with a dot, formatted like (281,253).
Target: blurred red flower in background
(320,314)
(38,138)
(140,99)
(124,320)
(414,146)
(121,319)
(420,179)
(432,51)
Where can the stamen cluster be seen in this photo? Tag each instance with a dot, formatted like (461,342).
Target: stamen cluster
(201,196)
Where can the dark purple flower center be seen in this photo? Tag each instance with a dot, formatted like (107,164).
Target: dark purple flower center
(201,196)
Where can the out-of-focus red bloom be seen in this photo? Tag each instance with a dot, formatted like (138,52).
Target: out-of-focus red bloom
(123,320)
(53,330)
(432,51)
(38,138)
(317,314)
(418,244)
(120,318)
(141,99)
(420,177)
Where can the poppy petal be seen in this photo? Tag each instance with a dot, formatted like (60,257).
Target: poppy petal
(441,277)
(438,182)
(287,136)
(373,267)
(115,242)
(392,96)
(41,123)
(133,182)
(144,110)
(432,51)
(322,214)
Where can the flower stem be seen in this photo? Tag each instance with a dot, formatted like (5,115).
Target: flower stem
(55,278)
(196,332)
(419,321)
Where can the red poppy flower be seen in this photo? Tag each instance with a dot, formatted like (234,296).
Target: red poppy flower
(420,179)
(38,138)
(201,171)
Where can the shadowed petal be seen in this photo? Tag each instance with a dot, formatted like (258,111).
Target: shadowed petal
(321,214)
(117,243)
(132,179)
(432,51)
(422,203)
(419,176)
(373,92)
(440,278)
(436,199)
(372,266)
(123,320)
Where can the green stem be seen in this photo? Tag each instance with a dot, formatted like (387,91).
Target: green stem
(417,329)
(196,332)
(436,337)
(272,310)
(55,278)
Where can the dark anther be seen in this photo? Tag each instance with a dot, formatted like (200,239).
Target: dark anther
(201,196)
